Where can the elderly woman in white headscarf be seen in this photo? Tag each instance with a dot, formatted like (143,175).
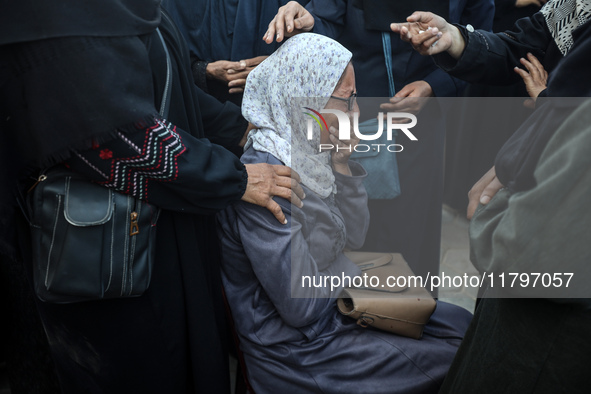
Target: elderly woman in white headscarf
(294,339)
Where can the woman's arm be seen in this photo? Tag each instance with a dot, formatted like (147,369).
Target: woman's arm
(166,166)
(475,56)
(286,265)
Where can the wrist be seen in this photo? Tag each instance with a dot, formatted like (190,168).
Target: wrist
(198,68)
(209,71)
(342,168)
(457,42)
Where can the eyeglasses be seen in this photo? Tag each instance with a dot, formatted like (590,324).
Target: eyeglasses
(350,101)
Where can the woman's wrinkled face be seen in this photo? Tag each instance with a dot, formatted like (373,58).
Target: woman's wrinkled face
(342,99)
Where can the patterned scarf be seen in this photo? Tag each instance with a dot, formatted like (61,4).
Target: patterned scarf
(563,17)
(305,69)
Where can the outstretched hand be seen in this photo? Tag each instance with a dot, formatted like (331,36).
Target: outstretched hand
(291,19)
(266,181)
(535,77)
(411,98)
(430,34)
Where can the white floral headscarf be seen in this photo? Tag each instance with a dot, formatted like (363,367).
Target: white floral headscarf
(306,66)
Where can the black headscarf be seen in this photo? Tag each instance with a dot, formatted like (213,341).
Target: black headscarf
(71,72)
(32,20)
(570,80)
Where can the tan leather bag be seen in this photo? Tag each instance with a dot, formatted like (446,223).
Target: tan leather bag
(402,310)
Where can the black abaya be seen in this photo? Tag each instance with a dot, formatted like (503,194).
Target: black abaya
(171,339)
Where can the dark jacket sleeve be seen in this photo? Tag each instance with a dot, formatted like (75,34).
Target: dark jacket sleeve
(490,57)
(478,13)
(167,167)
(223,123)
(198,67)
(329,17)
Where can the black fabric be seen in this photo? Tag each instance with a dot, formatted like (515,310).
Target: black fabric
(205,119)
(471,146)
(523,346)
(516,161)
(379,14)
(412,224)
(547,342)
(489,58)
(29,365)
(171,339)
(30,20)
(58,95)
(476,134)
(56,105)
(506,13)
(43,88)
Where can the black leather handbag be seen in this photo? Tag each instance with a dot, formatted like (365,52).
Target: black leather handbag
(90,242)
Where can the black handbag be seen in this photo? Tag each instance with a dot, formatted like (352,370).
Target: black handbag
(90,242)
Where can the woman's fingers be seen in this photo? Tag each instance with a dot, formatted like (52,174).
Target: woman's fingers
(276,210)
(534,60)
(523,74)
(294,187)
(266,181)
(533,70)
(483,191)
(291,19)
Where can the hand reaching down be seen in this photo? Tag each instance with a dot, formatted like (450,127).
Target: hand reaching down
(535,77)
(266,181)
(291,19)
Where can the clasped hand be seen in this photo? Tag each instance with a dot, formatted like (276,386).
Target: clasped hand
(233,73)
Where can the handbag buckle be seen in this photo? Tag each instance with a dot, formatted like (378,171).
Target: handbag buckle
(134,229)
(365,321)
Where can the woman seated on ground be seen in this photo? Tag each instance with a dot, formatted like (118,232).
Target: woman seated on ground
(294,344)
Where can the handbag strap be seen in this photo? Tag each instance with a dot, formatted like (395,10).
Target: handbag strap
(388,57)
(165,103)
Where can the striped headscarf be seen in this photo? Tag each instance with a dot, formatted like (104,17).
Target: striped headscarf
(563,17)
